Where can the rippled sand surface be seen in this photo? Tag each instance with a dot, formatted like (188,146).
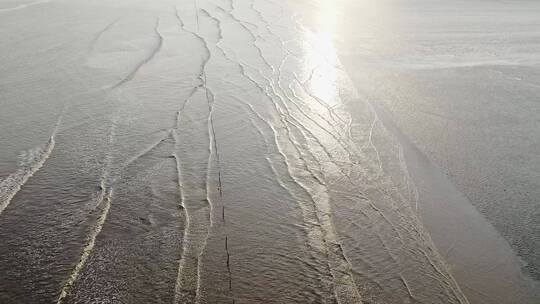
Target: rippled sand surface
(198,152)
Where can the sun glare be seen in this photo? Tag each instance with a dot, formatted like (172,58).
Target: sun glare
(320,54)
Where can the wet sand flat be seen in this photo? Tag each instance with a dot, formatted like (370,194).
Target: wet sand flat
(222,151)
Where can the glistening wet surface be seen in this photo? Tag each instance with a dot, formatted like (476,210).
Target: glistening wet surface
(198,152)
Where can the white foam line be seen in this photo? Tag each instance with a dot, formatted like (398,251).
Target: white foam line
(106,201)
(18,7)
(372,144)
(34,160)
(181,265)
(10,186)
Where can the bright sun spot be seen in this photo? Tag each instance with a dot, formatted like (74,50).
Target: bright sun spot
(320,54)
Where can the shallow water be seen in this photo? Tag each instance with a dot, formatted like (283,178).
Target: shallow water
(203,152)
(457,82)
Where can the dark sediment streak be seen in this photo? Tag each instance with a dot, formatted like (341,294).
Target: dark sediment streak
(151,55)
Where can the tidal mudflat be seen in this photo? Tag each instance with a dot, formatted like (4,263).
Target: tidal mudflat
(263,151)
